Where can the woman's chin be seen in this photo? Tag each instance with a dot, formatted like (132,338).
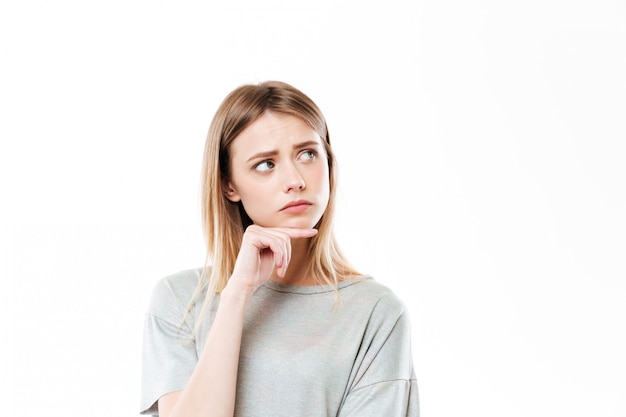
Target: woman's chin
(291,223)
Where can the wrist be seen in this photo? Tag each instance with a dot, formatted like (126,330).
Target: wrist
(236,292)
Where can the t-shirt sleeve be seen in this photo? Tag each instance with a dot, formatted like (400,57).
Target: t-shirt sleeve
(169,349)
(386,383)
(397,398)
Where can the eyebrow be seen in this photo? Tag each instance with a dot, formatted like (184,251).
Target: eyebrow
(267,154)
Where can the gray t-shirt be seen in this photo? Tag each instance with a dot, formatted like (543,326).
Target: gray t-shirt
(301,354)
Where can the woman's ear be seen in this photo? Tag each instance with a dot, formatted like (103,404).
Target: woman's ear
(230,192)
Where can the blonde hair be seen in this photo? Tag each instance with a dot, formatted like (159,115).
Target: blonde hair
(223,221)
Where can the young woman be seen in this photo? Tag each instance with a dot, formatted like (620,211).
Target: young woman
(277,323)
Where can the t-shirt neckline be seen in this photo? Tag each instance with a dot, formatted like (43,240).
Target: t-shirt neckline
(311,289)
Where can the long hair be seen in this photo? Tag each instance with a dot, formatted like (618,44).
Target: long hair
(224,221)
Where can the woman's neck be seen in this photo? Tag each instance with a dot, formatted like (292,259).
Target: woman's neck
(299,270)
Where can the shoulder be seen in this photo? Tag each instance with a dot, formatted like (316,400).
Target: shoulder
(379,298)
(383,314)
(172,294)
(372,290)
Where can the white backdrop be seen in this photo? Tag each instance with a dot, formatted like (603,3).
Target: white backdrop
(481,151)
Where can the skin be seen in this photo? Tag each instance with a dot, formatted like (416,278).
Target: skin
(275,161)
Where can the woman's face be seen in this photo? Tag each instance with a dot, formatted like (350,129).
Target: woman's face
(279,172)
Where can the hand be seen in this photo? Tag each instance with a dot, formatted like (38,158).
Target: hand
(262,249)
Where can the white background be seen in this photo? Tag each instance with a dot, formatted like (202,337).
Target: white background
(481,148)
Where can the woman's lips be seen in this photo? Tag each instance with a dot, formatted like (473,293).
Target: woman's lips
(296,207)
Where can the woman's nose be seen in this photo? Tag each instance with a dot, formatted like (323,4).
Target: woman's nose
(293,179)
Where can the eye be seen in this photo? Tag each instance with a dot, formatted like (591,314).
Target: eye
(308,155)
(264,166)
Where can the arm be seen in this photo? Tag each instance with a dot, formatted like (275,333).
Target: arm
(385,383)
(216,371)
(211,389)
